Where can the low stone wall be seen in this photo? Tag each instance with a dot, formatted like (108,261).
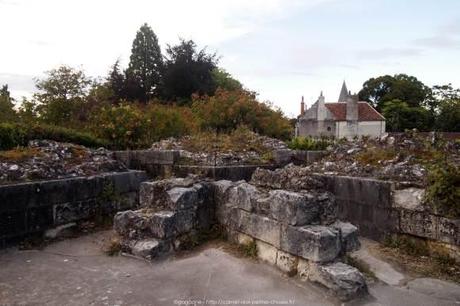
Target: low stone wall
(379,208)
(155,162)
(166,163)
(33,207)
(297,231)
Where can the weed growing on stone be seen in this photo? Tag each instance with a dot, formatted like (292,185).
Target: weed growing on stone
(113,246)
(249,249)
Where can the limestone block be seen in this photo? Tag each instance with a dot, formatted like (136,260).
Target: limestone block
(266,252)
(73,211)
(293,208)
(349,236)
(149,248)
(163,224)
(243,196)
(303,269)
(185,221)
(131,224)
(287,263)
(329,210)
(418,223)
(244,239)
(220,190)
(259,227)
(449,230)
(313,242)
(182,198)
(344,281)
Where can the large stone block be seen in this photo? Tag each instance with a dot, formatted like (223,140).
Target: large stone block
(149,248)
(266,252)
(182,198)
(243,196)
(418,223)
(259,227)
(287,263)
(74,211)
(162,224)
(349,236)
(314,242)
(220,191)
(293,208)
(131,224)
(449,230)
(344,281)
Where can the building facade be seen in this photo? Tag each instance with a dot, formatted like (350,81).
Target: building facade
(346,118)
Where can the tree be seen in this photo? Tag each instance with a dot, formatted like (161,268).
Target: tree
(224,80)
(7,112)
(116,82)
(61,94)
(188,71)
(400,116)
(448,119)
(402,87)
(145,66)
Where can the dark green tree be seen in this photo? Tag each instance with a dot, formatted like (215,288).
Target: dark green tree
(448,119)
(116,82)
(188,71)
(144,72)
(7,112)
(402,87)
(61,94)
(400,116)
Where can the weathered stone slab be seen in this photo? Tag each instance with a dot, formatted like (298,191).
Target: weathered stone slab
(293,208)
(314,242)
(182,198)
(131,224)
(349,236)
(220,191)
(266,252)
(163,224)
(243,196)
(449,230)
(287,263)
(259,227)
(69,212)
(344,281)
(418,223)
(149,248)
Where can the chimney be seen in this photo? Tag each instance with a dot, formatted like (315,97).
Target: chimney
(352,108)
(302,107)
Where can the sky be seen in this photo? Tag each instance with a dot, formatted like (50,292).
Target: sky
(282,49)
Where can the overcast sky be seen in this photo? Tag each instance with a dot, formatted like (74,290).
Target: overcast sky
(281,49)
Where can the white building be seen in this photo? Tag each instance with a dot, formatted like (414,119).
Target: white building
(346,118)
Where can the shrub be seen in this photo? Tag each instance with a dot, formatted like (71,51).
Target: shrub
(309,143)
(13,135)
(227,110)
(443,190)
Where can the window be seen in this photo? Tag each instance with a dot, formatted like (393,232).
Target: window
(329,129)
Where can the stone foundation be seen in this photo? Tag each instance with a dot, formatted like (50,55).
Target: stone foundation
(293,230)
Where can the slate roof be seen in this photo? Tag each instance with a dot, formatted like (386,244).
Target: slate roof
(365,111)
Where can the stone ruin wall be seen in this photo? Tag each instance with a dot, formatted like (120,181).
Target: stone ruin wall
(29,208)
(298,232)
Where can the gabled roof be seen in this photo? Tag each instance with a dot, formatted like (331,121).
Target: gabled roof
(365,111)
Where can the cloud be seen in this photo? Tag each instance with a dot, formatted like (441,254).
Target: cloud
(439,41)
(18,82)
(386,53)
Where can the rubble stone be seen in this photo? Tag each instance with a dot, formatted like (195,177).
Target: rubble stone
(287,263)
(344,281)
(243,196)
(349,235)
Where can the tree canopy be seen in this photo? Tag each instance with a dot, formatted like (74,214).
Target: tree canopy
(7,112)
(188,71)
(145,65)
(402,87)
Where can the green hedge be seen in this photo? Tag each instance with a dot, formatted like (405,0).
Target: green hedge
(309,143)
(12,135)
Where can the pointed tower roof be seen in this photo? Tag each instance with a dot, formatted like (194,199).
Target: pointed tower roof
(343,93)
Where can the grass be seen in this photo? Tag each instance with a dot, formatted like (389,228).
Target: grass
(19,154)
(113,246)
(415,255)
(309,143)
(248,250)
(374,156)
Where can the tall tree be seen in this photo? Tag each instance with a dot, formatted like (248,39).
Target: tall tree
(188,71)
(400,116)
(7,112)
(61,94)
(116,82)
(402,87)
(145,66)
